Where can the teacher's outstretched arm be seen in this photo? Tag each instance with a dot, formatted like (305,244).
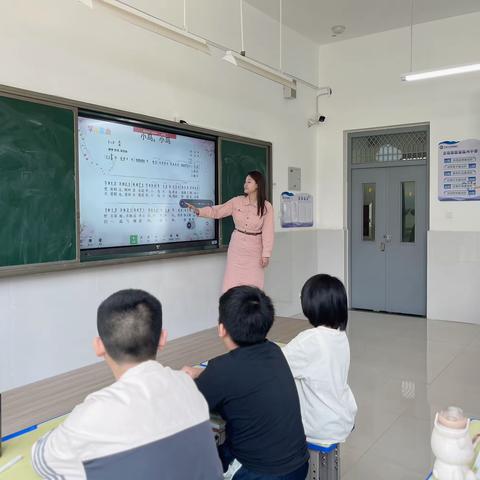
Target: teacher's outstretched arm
(216,212)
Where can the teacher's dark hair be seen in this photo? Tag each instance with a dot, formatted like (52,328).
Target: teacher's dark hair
(261,191)
(129,323)
(247,314)
(324,302)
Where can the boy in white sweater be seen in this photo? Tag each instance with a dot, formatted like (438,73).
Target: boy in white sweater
(320,358)
(143,425)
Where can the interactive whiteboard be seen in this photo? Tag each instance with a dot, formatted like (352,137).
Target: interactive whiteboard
(134,180)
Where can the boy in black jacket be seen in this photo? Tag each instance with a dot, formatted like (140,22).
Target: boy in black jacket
(253,390)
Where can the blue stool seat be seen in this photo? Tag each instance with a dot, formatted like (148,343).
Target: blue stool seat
(324,462)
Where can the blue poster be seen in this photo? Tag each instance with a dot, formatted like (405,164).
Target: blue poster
(458,170)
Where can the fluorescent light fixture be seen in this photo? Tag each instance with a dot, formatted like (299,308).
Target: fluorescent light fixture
(149,22)
(410,77)
(228,57)
(260,69)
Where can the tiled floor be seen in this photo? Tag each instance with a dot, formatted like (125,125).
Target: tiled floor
(403,370)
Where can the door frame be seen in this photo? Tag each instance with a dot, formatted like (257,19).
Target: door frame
(348,135)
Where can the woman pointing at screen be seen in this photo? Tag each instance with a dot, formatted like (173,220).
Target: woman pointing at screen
(252,240)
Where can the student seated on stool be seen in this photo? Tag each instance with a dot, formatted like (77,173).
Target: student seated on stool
(141,425)
(252,389)
(319,359)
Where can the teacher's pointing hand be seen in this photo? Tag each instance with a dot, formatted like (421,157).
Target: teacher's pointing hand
(194,209)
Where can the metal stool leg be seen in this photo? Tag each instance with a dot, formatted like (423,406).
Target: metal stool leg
(314,468)
(324,463)
(333,465)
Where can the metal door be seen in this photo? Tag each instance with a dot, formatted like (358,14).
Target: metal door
(406,240)
(367,246)
(388,223)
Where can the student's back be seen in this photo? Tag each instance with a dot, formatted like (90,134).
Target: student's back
(138,424)
(320,359)
(136,427)
(252,388)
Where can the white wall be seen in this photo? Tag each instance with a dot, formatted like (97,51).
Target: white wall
(62,48)
(454,275)
(365,76)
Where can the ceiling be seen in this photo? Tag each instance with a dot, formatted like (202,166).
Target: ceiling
(314,18)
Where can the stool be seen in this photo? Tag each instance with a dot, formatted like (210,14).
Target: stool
(324,462)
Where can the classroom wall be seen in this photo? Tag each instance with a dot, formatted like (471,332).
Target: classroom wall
(60,47)
(368,93)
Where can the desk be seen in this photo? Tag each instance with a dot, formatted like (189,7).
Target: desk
(22,445)
(50,398)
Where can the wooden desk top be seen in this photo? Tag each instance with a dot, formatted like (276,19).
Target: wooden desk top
(50,398)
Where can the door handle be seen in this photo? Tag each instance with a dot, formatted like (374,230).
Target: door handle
(382,246)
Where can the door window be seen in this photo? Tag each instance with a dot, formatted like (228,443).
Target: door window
(368,212)
(408,212)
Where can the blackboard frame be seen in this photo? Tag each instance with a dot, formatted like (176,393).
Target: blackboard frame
(75,106)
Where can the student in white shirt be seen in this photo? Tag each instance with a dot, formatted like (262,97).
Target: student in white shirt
(143,425)
(319,359)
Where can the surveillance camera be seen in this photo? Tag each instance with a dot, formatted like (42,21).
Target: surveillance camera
(316,120)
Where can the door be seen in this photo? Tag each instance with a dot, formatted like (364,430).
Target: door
(388,239)
(368,227)
(406,241)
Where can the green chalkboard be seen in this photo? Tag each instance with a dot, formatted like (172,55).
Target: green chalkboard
(237,159)
(37,183)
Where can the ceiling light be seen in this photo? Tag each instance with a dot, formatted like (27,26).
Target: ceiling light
(443,72)
(149,22)
(259,69)
(440,72)
(338,30)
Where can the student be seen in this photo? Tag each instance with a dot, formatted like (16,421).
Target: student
(320,358)
(253,390)
(142,425)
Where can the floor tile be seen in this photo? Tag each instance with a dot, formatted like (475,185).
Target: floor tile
(406,444)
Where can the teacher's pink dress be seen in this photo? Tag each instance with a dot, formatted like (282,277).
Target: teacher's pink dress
(245,251)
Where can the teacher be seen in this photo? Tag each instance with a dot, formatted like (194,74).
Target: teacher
(252,240)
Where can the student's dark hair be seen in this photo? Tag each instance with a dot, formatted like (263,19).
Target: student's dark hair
(324,302)
(129,323)
(247,314)
(261,191)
